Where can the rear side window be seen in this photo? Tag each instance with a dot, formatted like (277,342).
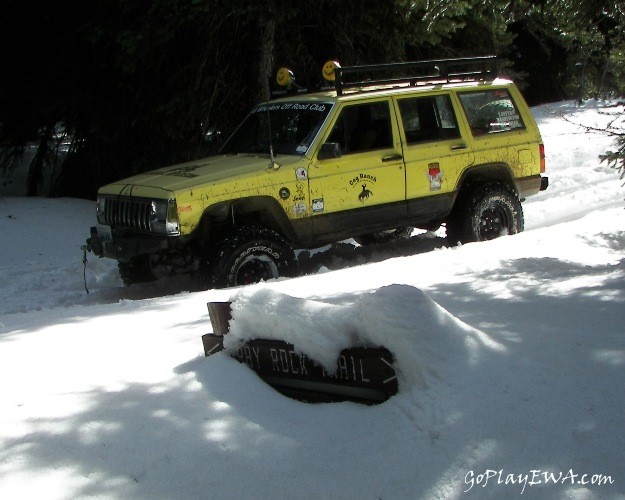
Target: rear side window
(491,111)
(429,118)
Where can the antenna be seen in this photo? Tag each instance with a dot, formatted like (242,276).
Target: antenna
(272,163)
(283,78)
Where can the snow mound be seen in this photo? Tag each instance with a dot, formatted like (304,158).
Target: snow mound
(422,335)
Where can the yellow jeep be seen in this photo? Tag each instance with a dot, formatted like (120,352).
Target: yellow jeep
(384,149)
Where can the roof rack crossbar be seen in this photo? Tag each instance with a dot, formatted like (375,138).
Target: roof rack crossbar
(433,71)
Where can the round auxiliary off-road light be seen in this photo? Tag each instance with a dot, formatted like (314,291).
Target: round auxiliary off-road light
(285,77)
(328,70)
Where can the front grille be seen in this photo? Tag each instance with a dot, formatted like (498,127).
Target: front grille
(130,213)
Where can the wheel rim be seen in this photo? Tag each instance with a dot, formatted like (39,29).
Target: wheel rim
(255,268)
(494,222)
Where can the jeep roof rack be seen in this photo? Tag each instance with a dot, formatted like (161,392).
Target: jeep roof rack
(413,73)
(363,78)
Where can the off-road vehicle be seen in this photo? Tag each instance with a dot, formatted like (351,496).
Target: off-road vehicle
(380,150)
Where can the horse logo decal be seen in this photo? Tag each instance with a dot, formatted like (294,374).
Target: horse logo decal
(364,194)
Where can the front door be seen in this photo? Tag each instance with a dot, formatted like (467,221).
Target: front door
(365,187)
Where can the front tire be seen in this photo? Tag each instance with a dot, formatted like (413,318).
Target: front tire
(248,255)
(486,213)
(136,270)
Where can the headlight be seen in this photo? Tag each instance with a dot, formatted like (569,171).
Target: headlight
(164,217)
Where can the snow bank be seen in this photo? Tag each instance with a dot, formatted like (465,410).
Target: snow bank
(421,334)
(577,179)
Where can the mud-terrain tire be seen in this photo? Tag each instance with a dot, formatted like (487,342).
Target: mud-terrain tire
(248,255)
(485,213)
(137,270)
(401,233)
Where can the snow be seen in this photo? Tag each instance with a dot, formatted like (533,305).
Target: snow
(510,357)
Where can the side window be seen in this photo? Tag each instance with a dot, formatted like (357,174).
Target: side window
(363,127)
(490,111)
(429,118)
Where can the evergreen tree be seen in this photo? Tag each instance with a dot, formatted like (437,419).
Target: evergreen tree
(137,84)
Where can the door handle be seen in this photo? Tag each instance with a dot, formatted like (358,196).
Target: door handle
(459,147)
(392,158)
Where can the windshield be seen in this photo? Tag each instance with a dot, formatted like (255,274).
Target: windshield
(293,125)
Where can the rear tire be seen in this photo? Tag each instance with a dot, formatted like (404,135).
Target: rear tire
(485,213)
(248,255)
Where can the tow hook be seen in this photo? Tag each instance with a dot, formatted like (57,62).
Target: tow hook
(85,248)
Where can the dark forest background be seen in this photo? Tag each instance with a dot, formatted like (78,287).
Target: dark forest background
(103,89)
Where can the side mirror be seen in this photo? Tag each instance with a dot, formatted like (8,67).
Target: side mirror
(329,150)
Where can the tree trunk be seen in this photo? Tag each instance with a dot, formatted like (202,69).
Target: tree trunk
(35,170)
(265,65)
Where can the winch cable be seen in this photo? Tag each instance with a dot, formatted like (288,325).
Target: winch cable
(84,249)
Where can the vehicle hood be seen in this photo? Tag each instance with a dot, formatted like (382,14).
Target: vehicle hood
(191,174)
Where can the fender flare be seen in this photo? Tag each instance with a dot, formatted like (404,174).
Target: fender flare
(487,172)
(256,210)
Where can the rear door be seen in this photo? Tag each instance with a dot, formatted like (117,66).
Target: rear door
(435,152)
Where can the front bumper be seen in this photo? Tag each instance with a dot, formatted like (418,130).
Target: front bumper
(125,248)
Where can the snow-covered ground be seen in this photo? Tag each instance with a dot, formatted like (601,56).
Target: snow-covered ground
(510,356)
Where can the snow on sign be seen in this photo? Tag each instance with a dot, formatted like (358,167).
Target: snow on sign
(363,374)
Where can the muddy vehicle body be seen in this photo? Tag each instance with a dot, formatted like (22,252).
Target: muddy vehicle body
(364,158)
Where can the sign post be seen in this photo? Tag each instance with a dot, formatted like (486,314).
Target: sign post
(363,374)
